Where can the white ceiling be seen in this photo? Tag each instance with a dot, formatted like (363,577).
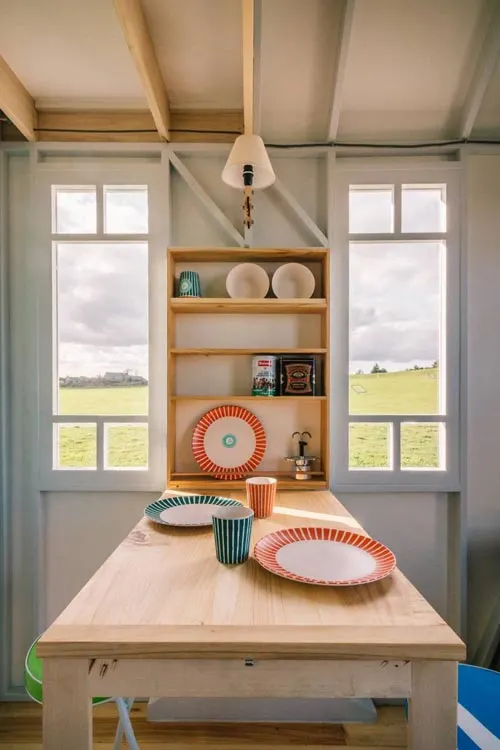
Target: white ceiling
(198,47)
(409,63)
(298,57)
(69,49)
(488,120)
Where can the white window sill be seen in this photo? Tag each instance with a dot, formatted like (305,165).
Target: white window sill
(101,481)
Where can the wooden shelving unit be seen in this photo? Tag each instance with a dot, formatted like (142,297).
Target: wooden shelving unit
(267,399)
(197,480)
(246,254)
(188,339)
(235,352)
(252,307)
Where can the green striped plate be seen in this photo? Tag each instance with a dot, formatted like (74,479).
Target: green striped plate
(186,510)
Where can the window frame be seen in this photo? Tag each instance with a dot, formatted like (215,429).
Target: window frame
(394,479)
(107,173)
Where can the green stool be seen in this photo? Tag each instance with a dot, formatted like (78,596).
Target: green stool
(34,688)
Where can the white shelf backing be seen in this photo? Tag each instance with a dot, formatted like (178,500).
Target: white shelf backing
(279,420)
(221,375)
(230,330)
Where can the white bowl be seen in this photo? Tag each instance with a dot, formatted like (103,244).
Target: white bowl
(247,280)
(293,281)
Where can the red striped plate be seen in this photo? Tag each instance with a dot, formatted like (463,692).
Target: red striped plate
(324,556)
(229,442)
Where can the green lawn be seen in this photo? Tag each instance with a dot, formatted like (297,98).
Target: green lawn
(414,392)
(411,392)
(126,444)
(104,401)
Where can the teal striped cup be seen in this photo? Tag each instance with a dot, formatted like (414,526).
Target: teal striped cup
(232,531)
(189,284)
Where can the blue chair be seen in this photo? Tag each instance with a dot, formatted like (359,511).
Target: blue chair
(478,708)
(478,715)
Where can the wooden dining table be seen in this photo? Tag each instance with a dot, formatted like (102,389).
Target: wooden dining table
(162,617)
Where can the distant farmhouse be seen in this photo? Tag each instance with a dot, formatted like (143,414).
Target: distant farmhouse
(108,380)
(116,377)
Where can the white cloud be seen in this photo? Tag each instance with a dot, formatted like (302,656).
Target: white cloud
(103,288)
(102,307)
(395,303)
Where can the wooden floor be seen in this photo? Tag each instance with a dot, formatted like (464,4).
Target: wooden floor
(20,729)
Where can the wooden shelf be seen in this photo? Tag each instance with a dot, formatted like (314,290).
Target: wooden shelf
(216,337)
(263,473)
(204,481)
(246,254)
(254,351)
(227,305)
(248,398)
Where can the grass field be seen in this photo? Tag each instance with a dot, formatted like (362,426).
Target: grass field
(406,392)
(126,445)
(104,401)
(413,392)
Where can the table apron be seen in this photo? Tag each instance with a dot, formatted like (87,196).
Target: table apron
(223,678)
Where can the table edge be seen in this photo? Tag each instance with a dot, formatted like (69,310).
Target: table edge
(164,642)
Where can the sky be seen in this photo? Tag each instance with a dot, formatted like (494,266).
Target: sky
(102,312)
(395,305)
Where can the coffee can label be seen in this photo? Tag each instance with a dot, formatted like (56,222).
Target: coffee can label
(264,380)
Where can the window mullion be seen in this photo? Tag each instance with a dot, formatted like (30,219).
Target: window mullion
(100,209)
(398,237)
(100,447)
(397,209)
(339,366)
(398,418)
(100,237)
(396,445)
(92,418)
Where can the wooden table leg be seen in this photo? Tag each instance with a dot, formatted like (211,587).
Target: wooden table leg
(67,711)
(433,705)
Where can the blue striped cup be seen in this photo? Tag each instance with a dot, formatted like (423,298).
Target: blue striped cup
(189,284)
(232,531)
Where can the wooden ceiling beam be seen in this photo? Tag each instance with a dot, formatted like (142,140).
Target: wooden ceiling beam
(485,69)
(257,66)
(137,36)
(16,102)
(248,62)
(138,126)
(344,39)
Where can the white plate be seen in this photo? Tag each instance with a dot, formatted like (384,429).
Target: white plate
(293,281)
(228,442)
(247,281)
(324,556)
(187,510)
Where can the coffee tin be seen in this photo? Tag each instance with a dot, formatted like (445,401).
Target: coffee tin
(264,380)
(297,376)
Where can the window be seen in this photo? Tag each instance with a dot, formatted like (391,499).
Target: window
(100,327)
(395,352)
(74,210)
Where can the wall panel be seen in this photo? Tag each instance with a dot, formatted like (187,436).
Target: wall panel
(60,539)
(483,390)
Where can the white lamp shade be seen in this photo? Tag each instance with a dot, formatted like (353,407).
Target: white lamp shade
(248,149)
